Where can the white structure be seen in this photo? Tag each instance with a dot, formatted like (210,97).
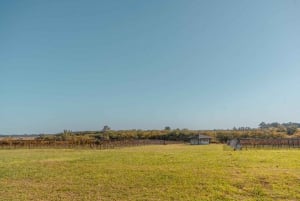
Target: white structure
(235,144)
(200,139)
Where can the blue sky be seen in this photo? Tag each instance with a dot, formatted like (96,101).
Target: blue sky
(80,65)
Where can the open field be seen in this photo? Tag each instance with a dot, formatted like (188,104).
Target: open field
(158,172)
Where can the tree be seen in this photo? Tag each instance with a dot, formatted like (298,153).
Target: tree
(281,128)
(67,135)
(167,128)
(106,128)
(263,125)
(275,124)
(291,130)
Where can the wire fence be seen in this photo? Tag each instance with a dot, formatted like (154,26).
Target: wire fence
(270,143)
(84,144)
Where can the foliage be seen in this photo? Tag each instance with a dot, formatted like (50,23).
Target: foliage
(167,128)
(175,134)
(290,128)
(106,128)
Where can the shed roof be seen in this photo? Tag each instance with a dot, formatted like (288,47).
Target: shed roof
(203,136)
(200,136)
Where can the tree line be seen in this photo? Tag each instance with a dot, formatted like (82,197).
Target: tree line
(290,128)
(265,131)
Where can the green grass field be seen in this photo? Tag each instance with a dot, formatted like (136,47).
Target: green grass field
(170,172)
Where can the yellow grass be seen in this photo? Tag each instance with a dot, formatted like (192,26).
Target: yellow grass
(170,172)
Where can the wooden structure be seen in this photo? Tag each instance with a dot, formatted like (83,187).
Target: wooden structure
(270,143)
(200,139)
(88,143)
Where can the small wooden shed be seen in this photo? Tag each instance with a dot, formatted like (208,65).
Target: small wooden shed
(200,139)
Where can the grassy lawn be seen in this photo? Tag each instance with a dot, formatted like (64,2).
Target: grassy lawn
(171,172)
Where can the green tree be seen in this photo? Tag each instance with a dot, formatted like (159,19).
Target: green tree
(167,128)
(106,128)
(263,125)
(291,130)
(67,135)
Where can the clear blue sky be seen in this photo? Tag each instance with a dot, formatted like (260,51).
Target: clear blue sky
(80,65)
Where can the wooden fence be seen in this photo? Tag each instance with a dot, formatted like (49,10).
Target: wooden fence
(270,143)
(91,144)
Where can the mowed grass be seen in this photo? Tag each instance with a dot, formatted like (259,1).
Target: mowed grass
(161,172)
